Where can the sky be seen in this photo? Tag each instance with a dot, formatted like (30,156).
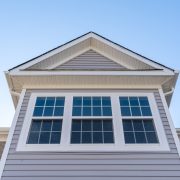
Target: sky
(30,28)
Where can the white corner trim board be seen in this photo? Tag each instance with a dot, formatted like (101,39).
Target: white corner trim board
(11,132)
(175,136)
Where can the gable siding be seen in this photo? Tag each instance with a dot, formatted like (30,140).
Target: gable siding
(92,166)
(90,60)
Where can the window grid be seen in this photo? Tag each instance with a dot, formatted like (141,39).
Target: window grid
(105,109)
(40,131)
(45,106)
(139,131)
(91,131)
(138,106)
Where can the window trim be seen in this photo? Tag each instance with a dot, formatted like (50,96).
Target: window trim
(119,144)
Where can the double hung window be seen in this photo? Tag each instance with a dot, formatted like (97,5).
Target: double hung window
(46,123)
(97,121)
(92,120)
(138,123)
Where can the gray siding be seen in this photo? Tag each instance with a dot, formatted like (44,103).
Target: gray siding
(90,60)
(92,166)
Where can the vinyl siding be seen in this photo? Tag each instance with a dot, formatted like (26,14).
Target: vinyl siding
(90,60)
(92,166)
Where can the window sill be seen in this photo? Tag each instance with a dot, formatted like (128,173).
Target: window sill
(93,147)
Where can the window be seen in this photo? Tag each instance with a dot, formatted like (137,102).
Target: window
(95,130)
(135,106)
(92,131)
(43,130)
(94,121)
(91,106)
(141,130)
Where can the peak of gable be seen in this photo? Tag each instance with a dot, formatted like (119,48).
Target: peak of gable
(90,60)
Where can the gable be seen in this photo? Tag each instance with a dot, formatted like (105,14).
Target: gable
(90,60)
(91,41)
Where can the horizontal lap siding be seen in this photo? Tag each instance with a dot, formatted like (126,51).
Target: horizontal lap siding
(90,60)
(92,166)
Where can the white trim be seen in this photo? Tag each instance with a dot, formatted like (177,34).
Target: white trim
(97,37)
(58,50)
(176,139)
(119,144)
(93,73)
(10,135)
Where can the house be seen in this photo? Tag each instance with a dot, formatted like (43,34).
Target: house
(91,110)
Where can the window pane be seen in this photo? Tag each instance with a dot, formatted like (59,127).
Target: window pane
(40,101)
(96,101)
(76,111)
(106,101)
(107,111)
(127,125)
(75,137)
(125,111)
(107,125)
(96,111)
(129,137)
(38,111)
(33,138)
(77,101)
(146,111)
(138,125)
(46,125)
(60,101)
(133,101)
(86,125)
(76,125)
(50,101)
(44,138)
(57,125)
(97,137)
(143,101)
(108,137)
(86,137)
(86,101)
(36,124)
(55,137)
(58,111)
(151,137)
(86,111)
(48,111)
(97,125)
(124,101)
(140,137)
(135,111)
(148,125)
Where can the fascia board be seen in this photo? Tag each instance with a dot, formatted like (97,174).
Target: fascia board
(130,53)
(10,86)
(53,52)
(100,73)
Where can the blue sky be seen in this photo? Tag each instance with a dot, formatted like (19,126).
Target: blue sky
(29,28)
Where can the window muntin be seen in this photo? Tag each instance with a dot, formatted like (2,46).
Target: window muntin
(91,106)
(139,131)
(135,106)
(92,131)
(49,106)
(119,142)
(45,131)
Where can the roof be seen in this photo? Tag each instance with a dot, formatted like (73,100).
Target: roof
(83,36)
